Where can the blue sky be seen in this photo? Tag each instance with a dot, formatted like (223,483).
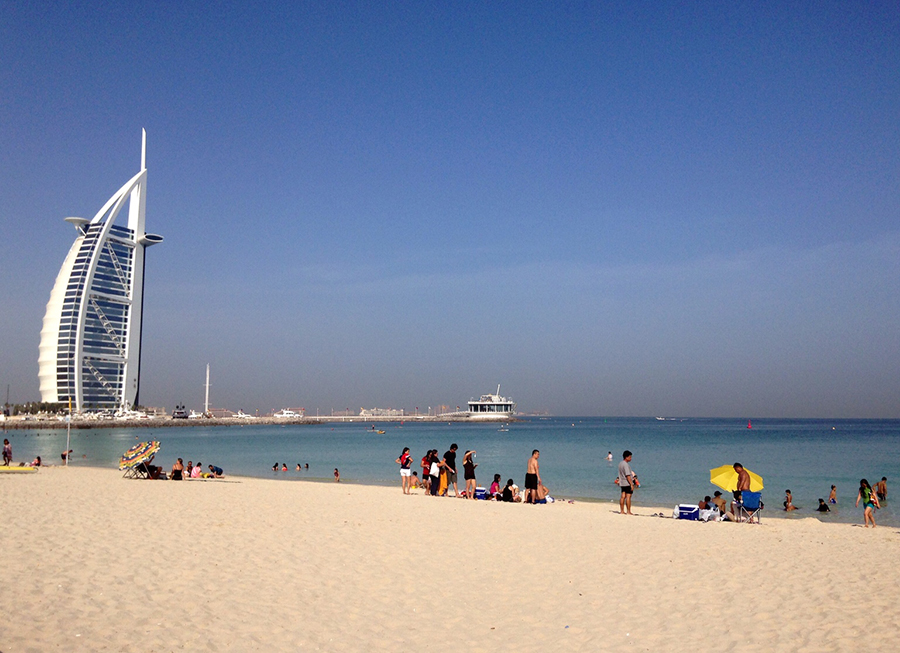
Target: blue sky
(609,208)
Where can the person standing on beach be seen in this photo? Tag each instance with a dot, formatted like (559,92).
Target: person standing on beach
(533,478)
(743,483)
(337,475)
(426,471)
(469,473)
(450,466)
(7,452)
(870,502)
(405,462)
(626,483)
(434,472)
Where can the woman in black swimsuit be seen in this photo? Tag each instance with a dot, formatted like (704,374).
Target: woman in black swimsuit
(469,473)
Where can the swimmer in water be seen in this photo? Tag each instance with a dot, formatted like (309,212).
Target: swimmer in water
(789,501)
(832,497)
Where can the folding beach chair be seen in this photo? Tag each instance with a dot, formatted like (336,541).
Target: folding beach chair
(137,471)
(751,505)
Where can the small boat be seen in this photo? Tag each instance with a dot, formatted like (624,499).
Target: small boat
(287,413)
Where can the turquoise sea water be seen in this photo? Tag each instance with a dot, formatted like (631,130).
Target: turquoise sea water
(672,458)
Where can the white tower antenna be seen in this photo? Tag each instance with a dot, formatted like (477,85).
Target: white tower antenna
(206,403)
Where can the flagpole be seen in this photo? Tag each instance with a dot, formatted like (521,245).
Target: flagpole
(68,430)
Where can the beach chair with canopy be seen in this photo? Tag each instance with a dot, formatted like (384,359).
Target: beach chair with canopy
(134,461)
(751,505)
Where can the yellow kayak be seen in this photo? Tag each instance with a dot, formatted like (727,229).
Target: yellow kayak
(7,468)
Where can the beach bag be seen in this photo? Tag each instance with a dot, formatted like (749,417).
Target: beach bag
(709,515)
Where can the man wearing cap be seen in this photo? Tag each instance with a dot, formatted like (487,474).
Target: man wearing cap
(626,482)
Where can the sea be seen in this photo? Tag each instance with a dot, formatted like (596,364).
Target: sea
(672,457)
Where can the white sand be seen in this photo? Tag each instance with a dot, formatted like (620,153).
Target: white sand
(95,562)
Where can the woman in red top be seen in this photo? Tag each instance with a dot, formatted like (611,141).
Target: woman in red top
(405,461)
(426,468)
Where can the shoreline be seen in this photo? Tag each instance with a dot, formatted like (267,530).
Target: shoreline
(663,511)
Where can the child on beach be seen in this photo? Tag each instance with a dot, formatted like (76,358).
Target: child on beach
(337,475)
(870,501)
(495,487)
(7,452)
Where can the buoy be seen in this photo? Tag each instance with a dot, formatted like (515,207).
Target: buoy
(749,425)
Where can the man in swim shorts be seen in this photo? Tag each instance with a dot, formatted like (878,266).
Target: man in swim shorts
(450,464)
(626,482)
(532,478)
(743,483)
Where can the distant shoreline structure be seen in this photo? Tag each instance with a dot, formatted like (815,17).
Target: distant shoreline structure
(167,422)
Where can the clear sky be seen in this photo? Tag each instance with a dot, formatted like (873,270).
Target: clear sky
(610,208)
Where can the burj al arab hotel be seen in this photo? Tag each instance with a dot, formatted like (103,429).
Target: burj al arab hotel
(90,351)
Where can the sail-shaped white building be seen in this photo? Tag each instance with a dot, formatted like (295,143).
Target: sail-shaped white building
(90,352)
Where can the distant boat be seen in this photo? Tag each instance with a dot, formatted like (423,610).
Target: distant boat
(287,413)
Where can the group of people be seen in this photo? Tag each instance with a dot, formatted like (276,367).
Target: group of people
(181,472)
(284,467)
(439,474)
(37,462)
(870,497)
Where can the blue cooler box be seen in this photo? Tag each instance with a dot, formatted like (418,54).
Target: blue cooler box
(480,493)
(688,511)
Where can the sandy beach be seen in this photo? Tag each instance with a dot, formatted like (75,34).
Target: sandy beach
(95,562)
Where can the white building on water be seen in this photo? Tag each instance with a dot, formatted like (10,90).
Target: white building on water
(90,352)
(492,407)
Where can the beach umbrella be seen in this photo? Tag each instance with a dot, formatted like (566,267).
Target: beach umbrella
(726,478)
(138,453)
